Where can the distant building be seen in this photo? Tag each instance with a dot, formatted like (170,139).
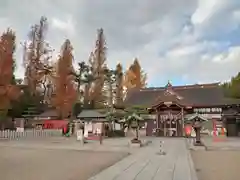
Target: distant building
(170,106)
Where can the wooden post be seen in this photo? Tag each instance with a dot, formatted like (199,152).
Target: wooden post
(176,122)
(100,138)
(164,128)
(170,127)
(182,129)
(100,134)
(157,123)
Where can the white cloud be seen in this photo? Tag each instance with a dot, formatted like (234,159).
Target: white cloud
(187,40)
(213,17)
(184,51)
(64,25)
(205,10)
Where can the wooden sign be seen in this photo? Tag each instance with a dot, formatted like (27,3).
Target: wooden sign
(207,110)
(168,103)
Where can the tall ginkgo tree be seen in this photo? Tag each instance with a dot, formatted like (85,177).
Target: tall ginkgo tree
(8,91)
(135,77)
(119,85)
(36,56)
(65,93)
(97,62)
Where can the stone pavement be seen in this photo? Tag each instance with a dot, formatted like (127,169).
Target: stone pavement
(143,163)
(147,164)
(111,144)
(222,143)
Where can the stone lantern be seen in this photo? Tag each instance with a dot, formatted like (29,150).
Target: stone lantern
(134,124)
(197,126)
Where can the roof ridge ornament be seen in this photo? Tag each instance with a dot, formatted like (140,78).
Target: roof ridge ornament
(169,85)
(170,92)
(168,89)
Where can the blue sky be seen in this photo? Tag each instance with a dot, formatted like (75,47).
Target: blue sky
(184,41)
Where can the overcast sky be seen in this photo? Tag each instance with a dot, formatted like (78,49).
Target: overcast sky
(184,41)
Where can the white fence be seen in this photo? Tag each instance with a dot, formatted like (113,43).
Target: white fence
(11,135)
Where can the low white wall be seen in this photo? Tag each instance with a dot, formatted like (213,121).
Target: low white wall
(8,134)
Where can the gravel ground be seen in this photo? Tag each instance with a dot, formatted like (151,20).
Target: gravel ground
(217,165)
(45,164)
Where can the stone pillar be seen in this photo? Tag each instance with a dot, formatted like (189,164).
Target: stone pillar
(20,124)
(164,129)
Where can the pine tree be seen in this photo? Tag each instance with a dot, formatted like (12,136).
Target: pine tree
(232,88)
(87,85)
(65,93)
(83,78)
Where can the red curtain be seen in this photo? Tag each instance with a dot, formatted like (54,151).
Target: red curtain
(54,124)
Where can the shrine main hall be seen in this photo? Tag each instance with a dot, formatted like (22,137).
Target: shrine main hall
(170,107)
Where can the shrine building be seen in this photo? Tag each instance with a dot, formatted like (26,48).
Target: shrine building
(170,107)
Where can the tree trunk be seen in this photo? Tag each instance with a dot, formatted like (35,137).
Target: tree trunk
(137,133)
(86,94)
(110,98)
(114,126)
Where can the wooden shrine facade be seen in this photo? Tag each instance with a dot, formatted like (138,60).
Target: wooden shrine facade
(170,106)
(169,119)
(169,115)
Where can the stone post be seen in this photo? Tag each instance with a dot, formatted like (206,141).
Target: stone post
(20,124)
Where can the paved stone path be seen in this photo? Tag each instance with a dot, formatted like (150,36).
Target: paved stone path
(222,143)
(147,164)
(143,163)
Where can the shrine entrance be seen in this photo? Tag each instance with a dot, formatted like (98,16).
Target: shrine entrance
(169,113)
(169,119)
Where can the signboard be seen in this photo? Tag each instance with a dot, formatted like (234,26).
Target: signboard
(148,116)
(211,116)
(207,110)
(168,103)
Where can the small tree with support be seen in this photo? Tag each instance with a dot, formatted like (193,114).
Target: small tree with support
(133,119)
